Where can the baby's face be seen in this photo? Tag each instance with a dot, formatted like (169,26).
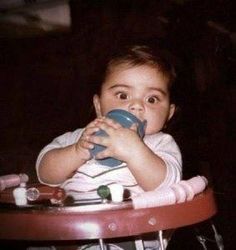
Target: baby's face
(141,90)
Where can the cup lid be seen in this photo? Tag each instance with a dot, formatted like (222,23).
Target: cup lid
(126,119)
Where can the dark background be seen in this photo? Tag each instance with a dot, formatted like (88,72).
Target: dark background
(47,82)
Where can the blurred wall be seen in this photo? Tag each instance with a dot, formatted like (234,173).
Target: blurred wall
(47,83)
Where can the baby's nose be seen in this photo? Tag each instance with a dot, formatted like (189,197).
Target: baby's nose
(136,107)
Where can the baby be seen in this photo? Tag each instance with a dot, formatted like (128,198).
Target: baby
(137,80)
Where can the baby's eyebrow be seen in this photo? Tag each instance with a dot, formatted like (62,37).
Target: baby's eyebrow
(119,85)
(163,92)
(159,90)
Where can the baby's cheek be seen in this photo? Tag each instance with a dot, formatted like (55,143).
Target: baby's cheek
(153,126)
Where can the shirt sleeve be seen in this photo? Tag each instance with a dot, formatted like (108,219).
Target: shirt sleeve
(61,141)
(165,147)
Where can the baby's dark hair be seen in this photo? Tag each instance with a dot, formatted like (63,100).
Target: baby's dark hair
(139,55)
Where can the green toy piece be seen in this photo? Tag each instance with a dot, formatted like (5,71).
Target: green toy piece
(103,191)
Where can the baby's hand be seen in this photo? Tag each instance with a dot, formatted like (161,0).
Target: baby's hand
(119,142)
(84,143)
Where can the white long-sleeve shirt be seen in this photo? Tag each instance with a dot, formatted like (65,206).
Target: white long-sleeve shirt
(92,174)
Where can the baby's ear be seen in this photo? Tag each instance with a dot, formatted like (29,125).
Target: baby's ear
(97,105)
(171,111)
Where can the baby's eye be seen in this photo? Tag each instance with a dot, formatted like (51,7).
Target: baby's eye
(152,99)
(122,95)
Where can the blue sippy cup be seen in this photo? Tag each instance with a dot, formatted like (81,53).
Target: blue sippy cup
(126,119)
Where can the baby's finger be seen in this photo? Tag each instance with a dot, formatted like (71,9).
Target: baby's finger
(101,140)
(134,127)
(107,127)
(90,130)
(86,144)
(94,122)
(112,123)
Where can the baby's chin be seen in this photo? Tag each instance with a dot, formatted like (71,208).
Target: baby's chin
(152,131)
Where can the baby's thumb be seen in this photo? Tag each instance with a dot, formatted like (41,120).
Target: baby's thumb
(134,127)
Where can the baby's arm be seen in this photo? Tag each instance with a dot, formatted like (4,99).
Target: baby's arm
(59,163)
(148,168)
